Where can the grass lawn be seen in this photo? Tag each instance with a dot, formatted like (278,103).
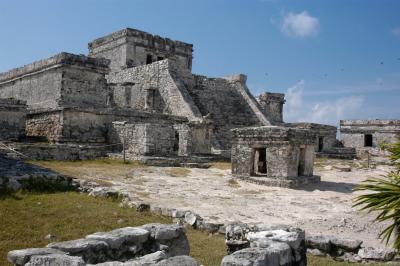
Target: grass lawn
(26,218)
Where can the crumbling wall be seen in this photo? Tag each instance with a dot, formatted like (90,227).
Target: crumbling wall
(165,78)
(353,132)
(12,119)
(224,100)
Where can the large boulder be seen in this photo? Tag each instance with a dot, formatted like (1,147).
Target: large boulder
(380,254)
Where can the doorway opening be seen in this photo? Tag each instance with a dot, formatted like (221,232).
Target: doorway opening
(320,143)
(149,59)
(368,140)
(176,143)
(260,161)
(302,162)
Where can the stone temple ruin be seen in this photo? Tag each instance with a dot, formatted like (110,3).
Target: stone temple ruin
(366,134)
(135,94)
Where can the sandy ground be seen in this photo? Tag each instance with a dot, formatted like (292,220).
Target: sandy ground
(324,208)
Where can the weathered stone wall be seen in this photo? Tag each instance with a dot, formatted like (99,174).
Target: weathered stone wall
(324,133)
(12,119)
(45,124)
(272,105)
(168,81)
(130,48)
(352,132)
(228,103)
(147,139)
(289,153)
(82,125)
(62,80)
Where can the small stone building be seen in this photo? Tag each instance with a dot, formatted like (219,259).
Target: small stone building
(365,134)
(274,155)
(325,135)
(12,119)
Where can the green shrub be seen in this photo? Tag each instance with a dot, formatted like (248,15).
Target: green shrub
(385,198)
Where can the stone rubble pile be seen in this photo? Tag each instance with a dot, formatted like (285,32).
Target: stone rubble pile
(260,244)
(349,250)
(150,244)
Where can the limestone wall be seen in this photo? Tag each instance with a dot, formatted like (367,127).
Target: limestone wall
(62,80)
(12,119)
(130,48)
(165,78)
(352,132)
(82,125)
(147,139)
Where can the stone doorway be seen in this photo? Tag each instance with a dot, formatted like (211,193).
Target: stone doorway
(320,143)
(260,161)
(368,140)
(302,162)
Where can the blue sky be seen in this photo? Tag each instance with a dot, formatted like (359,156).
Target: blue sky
(333,59)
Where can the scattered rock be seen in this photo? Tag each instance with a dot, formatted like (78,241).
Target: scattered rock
(50,237)
(316,252)
(370,253)
(341,167)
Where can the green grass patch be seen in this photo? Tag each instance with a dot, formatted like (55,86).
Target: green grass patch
(26,219)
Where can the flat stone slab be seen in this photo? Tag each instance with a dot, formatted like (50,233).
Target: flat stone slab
(79,245)
(22,256)
(55,260)
(120,236)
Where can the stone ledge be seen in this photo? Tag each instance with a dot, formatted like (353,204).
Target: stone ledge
(57,60)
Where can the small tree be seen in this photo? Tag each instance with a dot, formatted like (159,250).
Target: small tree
(385,198)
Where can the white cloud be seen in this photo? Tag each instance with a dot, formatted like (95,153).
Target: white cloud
(300,25)
(297,109)
(396,32)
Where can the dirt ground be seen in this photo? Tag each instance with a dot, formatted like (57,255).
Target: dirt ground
(323,208)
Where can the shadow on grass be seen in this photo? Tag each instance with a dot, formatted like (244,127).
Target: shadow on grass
(26,177)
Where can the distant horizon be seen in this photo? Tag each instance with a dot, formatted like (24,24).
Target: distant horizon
(333,61)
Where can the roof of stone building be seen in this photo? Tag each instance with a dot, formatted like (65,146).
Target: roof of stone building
(60,59)
(135,33)
(371,122)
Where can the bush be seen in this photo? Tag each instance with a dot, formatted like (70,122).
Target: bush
(385,198)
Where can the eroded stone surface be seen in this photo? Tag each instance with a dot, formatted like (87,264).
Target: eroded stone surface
(22,256)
